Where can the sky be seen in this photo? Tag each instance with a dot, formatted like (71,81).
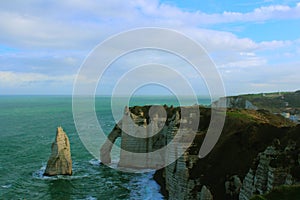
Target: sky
(255,45)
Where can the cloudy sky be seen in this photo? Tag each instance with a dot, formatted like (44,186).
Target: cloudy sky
(254,44)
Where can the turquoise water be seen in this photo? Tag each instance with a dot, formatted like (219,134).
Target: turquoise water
(27,129)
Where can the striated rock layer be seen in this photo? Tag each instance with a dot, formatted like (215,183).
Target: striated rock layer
(60,162)
(274,167)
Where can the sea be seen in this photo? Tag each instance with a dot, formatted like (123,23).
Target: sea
(28,128)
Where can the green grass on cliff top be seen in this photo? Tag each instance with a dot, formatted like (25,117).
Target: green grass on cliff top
(260,116)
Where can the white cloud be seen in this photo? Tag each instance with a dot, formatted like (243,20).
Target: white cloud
(69,24)
(219,40)
(243,62)
(247,54)
(201,18)
(53,27)
(274,44)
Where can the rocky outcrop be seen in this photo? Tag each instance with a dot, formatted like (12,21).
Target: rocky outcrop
(60,162)
(273,167)
(205,194)
(232,187)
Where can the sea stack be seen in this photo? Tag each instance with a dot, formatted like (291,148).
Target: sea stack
(60,162)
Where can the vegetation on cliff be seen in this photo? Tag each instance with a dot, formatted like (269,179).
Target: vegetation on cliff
(245,134)
(274,102)
(281,193)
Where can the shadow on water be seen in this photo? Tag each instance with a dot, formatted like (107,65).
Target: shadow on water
(60,189)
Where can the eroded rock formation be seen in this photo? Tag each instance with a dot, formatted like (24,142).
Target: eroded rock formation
(107,146)
(142,132)
(272,168)
(60,162)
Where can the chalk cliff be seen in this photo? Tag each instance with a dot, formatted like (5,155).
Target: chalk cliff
(277,165)
(136,122)
(245,134)
(60,162)
(221,173)
(278,102)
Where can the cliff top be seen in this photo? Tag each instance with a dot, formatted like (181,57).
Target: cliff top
(275,102)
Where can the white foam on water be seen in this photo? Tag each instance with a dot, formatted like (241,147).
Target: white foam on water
(145,188)
(95,162)
(39,173)
(6,186)
(114,163)
(90,198)
(132,170)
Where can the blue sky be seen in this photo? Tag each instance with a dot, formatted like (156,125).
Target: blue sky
(254,44)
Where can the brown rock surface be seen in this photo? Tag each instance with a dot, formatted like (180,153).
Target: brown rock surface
(60,162)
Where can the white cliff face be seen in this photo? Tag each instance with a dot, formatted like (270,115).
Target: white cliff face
(140,137)
(180,185)
(268,175)
(60,162)
(239,102)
